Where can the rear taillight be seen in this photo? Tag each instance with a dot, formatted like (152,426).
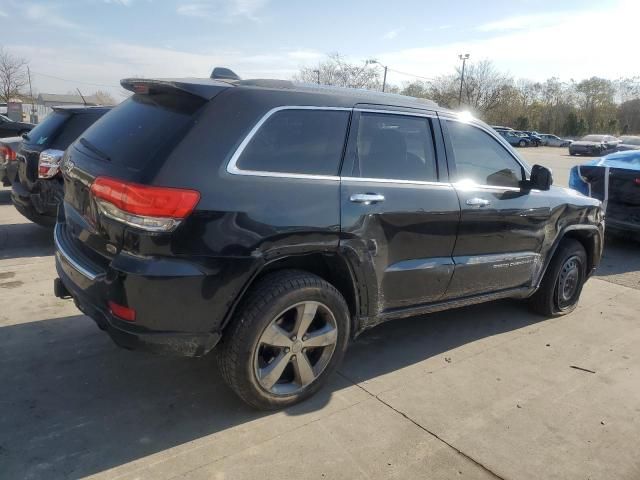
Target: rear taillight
(7,154)
(49,163)
(637,181)
(156,209)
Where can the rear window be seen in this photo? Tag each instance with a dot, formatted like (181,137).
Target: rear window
(298,141)
(47,128)
(73,128)
(138,129)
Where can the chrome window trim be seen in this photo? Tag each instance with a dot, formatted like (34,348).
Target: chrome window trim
(397,181)
(74,264)
(232,166)
(474,186)
(426,114)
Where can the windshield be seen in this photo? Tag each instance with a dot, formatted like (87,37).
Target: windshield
(593,138)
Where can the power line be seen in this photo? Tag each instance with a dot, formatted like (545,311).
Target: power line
(75,81)
(411,74)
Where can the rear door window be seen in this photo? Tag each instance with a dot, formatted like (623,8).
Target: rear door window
(395,147)
(298,141)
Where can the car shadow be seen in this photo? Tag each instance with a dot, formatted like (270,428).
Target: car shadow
(19,240)
(620,256)
(5,195)
(74,404)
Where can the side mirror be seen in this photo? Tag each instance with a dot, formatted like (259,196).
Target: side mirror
(541,178)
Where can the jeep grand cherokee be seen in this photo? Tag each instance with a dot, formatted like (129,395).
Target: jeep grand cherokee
(278,221)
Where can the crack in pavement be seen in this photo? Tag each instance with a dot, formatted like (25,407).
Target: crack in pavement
(421,427)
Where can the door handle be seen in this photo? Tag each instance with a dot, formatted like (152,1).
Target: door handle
(366,198)
(478,202)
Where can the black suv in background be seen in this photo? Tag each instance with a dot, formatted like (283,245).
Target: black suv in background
(37,186)
(10,128)
(278,221)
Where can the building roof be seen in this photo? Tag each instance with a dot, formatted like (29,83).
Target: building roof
(68,99)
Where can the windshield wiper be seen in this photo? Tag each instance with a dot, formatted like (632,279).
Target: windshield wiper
(91,147)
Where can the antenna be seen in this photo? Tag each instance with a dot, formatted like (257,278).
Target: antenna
(222,73)
(81,96)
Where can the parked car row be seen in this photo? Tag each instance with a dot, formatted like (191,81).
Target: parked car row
(525,138)
(595,145)
(275,222)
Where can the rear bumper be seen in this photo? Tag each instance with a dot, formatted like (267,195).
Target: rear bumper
(33,205)
(7,173)
(174,314)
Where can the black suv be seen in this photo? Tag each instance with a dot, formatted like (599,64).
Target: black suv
(279,221)
(37,186)
(10,128)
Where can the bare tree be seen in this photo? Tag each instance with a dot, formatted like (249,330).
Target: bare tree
(335,70)
(13,74)
(105,98)
(484,86)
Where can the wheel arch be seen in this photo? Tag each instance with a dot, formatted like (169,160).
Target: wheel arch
(589,236)
(331,267)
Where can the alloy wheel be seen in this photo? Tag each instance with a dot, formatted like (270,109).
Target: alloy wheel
(295,348)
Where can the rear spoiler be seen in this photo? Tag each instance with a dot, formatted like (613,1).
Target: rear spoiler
(204,88)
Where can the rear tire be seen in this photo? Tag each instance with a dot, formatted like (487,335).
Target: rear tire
(522,143)
(262,339)
(562,283)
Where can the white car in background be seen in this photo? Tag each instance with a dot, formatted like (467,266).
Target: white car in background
(553,140)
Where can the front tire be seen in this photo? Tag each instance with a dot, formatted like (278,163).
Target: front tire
(522,143)
(287,337)
(562,284)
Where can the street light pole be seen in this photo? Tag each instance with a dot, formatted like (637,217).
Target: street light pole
(384,78)
(464,59)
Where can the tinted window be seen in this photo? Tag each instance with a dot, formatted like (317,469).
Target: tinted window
(140,128)
(298,141)
(395,147)
(73,128)
(47,128)
(481,159)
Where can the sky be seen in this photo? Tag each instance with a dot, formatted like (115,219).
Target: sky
(92,44)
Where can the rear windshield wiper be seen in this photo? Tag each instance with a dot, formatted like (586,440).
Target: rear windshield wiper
(91,147)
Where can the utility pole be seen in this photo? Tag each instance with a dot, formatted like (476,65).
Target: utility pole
(32,117)
(317,72)
(464,59)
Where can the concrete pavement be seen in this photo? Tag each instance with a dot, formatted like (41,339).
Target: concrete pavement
(489,391)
